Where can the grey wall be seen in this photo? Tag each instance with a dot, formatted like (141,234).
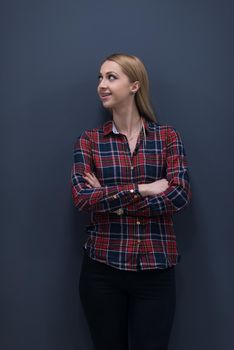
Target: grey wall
(50,57)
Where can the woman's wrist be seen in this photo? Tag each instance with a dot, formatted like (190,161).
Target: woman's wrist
(143,189)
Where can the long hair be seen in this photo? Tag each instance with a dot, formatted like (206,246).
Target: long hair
(133,67)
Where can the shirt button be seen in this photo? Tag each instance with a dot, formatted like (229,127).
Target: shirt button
(131,191)
(138,222)
(120,211)
(132,167)
(115,196)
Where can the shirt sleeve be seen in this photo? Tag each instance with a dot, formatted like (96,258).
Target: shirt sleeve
(98,199)
(178,194)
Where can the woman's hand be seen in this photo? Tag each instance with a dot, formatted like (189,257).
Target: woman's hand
(153,188)
(91,179)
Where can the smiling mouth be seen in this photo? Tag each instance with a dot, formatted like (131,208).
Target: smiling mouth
(104,97)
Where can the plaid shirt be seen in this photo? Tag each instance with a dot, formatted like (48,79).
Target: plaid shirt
(129,231)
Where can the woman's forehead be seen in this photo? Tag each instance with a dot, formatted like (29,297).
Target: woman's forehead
(110,66)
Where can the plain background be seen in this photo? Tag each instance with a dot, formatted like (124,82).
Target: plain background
(50,58)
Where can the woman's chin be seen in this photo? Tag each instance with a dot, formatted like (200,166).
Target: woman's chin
(107,104)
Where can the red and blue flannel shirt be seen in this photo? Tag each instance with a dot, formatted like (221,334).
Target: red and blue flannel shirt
(126,230)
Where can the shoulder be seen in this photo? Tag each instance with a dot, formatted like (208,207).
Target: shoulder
(164,130)
(91,134)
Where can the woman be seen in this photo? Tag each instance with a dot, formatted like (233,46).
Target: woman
(131,174)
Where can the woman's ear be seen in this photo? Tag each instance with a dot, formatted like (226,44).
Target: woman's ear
(135,87)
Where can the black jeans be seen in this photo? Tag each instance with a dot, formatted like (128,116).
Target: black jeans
(127,309)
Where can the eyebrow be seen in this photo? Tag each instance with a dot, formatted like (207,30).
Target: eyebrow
(108,73)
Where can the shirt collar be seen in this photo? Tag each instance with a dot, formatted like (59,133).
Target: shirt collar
(109,127)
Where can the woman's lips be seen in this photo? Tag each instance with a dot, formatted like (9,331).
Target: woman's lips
(105,97)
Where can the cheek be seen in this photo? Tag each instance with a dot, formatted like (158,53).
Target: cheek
(121,92)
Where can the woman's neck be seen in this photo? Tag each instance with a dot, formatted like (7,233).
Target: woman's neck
(127,120)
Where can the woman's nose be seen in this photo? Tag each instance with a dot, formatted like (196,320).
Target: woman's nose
(102,83)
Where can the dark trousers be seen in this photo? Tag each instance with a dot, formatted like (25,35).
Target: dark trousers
(127,309)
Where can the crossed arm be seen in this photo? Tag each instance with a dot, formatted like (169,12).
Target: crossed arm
(128,197)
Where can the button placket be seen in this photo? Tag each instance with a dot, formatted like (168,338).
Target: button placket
(138,240)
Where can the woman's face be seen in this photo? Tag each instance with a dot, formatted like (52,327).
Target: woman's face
(114,87)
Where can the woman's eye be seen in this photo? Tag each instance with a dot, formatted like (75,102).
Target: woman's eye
(112,76)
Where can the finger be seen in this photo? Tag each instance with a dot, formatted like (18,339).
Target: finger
(89,173)
(93,175)
(90,181)
(88,177)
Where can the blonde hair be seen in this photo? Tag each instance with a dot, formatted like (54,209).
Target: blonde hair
(133,67)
